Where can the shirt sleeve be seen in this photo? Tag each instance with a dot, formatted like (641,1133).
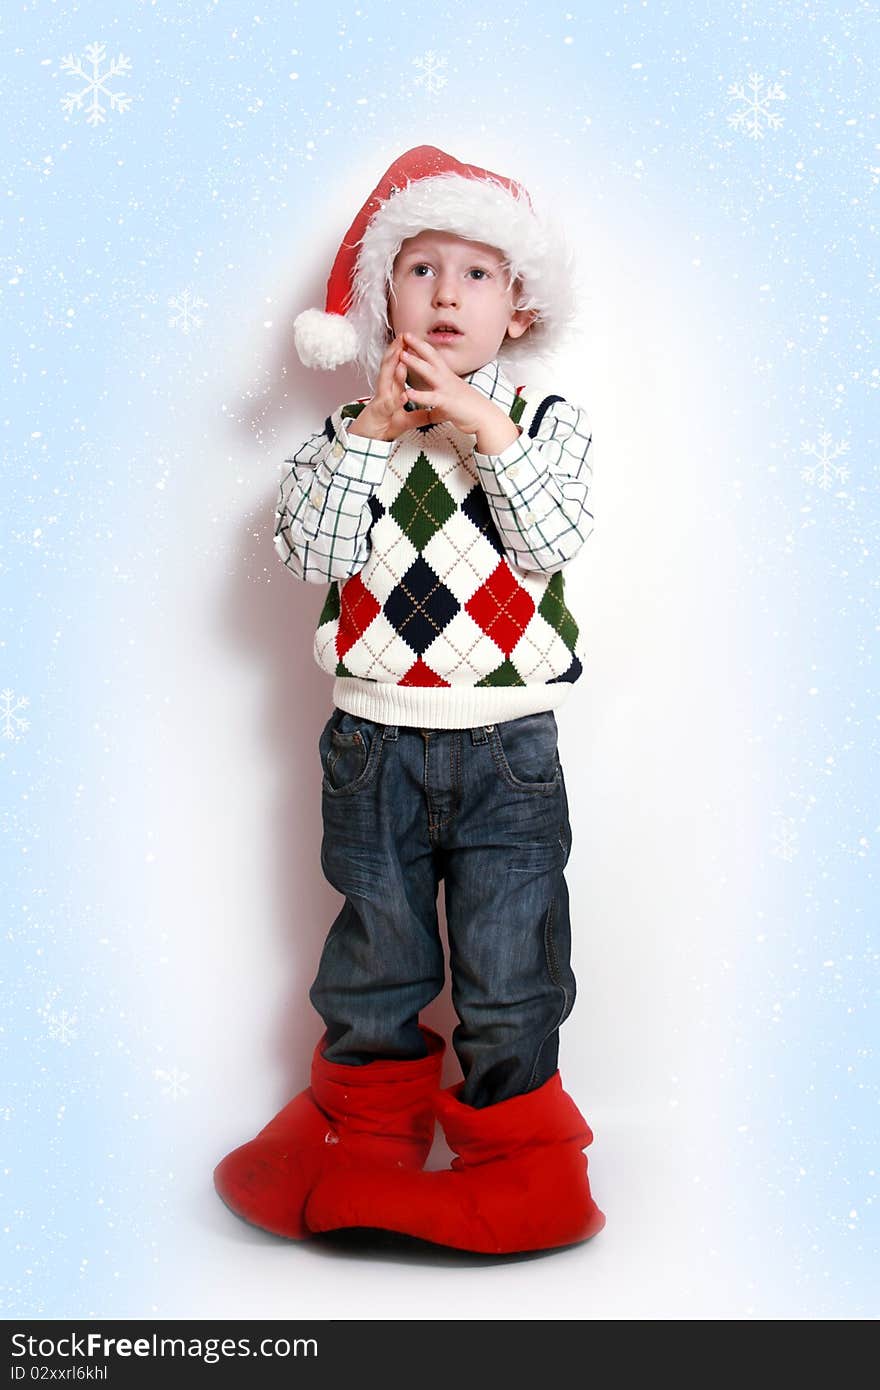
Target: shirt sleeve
(323,517)
(538,489)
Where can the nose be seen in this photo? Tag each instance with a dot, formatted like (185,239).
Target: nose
(445,290)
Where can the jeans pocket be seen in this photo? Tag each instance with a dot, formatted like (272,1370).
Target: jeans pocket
(349,748)
(526,752)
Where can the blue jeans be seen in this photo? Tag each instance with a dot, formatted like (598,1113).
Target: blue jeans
(486,810)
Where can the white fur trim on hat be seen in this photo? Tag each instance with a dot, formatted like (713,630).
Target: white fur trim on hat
(479,210)
(324,340)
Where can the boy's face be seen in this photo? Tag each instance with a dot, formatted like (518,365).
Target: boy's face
(439,277)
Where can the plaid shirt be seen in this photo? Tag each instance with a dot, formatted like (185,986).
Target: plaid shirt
(537,488)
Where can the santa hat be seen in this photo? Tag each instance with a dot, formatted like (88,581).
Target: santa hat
(428,189)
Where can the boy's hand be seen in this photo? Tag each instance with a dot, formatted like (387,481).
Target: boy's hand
(384,416)
(450,397)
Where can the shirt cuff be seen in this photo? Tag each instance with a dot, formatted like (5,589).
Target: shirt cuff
(511,454)
(356,456)
(512,472)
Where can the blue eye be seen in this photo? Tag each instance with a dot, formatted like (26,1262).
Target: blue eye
(474,269)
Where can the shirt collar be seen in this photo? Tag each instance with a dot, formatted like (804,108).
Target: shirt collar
(494,383)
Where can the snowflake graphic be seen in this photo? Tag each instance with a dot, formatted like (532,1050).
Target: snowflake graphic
(13,726)
(184,318)
(172,1082)
(62,1026)
(785,846)
(430,78)
(96,83)
(824,470)
(757,107)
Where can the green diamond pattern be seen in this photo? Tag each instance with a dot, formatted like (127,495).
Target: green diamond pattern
(332,605)
(555,613)
(505,674)
(423,505)
(342,670)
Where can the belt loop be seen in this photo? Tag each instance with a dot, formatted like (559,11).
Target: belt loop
(481,732)
(390,731)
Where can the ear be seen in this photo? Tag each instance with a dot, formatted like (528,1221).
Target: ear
(520,321)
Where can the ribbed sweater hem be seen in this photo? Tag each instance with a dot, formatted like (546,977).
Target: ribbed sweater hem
(445,707)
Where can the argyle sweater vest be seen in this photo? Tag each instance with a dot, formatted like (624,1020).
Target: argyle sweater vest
(439,629)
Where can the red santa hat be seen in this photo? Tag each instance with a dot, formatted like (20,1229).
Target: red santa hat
(428,189)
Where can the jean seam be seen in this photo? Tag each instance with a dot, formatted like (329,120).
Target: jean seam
(554,976)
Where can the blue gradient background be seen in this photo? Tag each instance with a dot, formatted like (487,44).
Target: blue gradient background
(253,134)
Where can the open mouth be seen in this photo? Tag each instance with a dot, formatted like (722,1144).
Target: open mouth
(444,334)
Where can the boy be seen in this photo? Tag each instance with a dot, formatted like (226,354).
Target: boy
(442,509)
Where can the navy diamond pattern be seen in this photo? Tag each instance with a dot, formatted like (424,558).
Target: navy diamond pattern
(420,606)
(476,508)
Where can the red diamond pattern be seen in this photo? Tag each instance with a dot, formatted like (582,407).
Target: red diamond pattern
(358,608)
(502,608)
(421,674)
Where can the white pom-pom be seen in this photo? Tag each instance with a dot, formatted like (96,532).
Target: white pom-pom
(324,340)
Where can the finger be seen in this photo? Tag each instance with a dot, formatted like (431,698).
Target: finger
(399,381)
(388,365)
(422,359)
(390,395)
(431,368)
(421,348)
(412,340)
(411,419)
(424,371)
(413,395)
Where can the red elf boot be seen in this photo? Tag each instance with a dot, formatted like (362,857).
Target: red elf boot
(519,1181)
(350,1119)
